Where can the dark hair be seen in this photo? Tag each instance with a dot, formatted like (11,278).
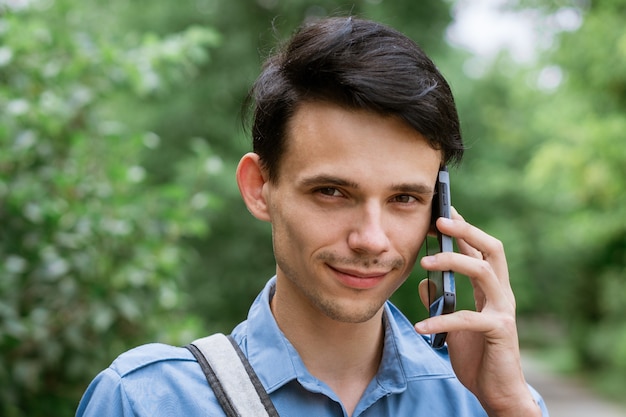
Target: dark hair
(358,64)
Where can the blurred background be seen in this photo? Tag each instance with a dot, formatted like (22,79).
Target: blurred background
(120,129)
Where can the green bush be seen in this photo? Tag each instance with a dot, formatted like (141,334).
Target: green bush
(91,253)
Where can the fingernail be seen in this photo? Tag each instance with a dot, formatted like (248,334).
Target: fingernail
(420,327)
(428,260)
(445,221)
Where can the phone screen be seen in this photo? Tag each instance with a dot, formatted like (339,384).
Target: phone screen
(441,288)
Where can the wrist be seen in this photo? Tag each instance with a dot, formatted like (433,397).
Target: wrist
(525,408)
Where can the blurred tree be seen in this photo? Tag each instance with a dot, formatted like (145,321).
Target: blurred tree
(91,258)
(579,170)
(549,169)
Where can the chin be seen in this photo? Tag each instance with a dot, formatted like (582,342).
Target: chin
(346,313)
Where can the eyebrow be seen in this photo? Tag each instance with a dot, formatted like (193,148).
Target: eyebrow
(413,188)
(317,180)
(327,180)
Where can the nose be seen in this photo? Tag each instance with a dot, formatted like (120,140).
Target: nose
(367,234)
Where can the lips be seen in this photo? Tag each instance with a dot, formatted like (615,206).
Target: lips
(358,279)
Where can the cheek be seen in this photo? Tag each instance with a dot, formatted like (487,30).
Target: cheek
(304,225)
(297,232)
(408,239)
(409,248)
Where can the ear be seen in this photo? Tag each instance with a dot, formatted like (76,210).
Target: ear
(252,180)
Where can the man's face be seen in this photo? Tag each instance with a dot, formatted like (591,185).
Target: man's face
(350,209)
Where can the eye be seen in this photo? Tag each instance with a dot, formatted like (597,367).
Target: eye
(329,191)
(404,199)
(409,199)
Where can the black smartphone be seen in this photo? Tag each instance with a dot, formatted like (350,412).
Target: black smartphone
(441,288)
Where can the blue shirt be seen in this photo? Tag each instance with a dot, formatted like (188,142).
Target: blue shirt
(160,380)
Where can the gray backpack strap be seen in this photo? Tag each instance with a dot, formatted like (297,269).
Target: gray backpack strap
(230,375)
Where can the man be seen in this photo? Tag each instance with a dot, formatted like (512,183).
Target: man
(352,122)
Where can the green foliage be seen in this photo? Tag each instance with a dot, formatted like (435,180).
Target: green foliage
(553,180)
(579,172)
(91,259)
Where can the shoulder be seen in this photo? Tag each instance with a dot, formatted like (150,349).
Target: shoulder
(149,356)
(150,380)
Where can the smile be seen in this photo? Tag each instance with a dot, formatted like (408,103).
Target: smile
(358,279)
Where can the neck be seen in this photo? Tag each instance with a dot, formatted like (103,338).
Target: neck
(346,356)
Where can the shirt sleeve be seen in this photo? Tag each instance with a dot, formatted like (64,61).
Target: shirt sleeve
(105,396)
(539,400)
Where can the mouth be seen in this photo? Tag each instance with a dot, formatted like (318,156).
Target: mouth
(358,279)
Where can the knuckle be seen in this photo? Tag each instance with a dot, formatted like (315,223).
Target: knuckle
(483,268)
(494,246)
(507,323)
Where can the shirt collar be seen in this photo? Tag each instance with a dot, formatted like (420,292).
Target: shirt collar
(406,354)
(272,356)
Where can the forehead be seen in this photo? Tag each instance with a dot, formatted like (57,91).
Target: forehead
(326,137)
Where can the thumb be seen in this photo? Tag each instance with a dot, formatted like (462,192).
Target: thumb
(423,290)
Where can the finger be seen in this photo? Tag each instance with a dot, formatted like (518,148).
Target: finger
(489,246)
(423,290)
(471,239)
(487,285)
(479,296)
(477,244)
(456,214)
(492,325)
(465,247)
